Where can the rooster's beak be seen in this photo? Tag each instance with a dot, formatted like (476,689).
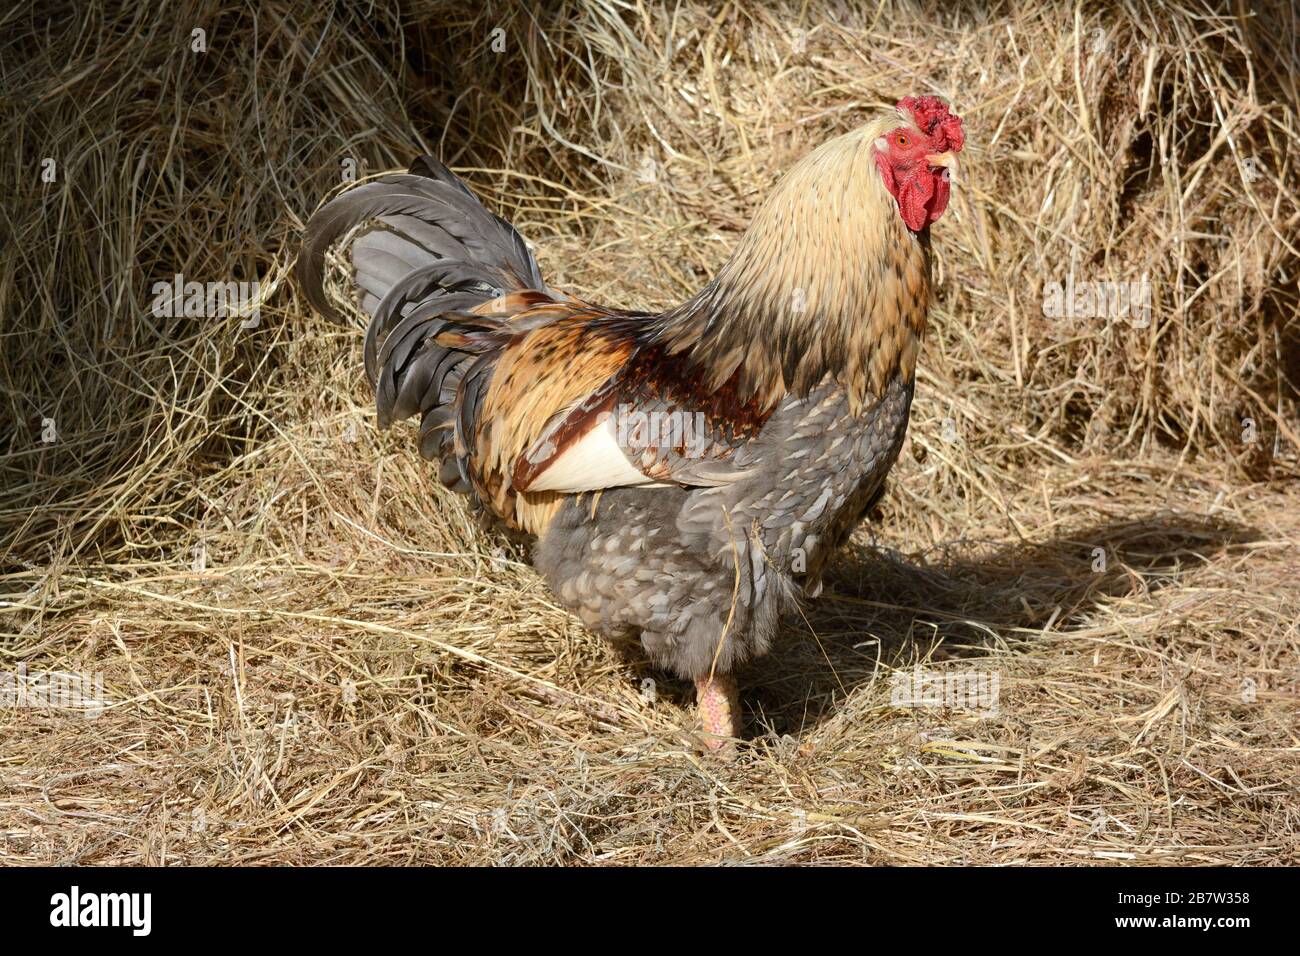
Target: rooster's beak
(946,160)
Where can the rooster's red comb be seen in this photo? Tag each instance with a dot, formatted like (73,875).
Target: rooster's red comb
(933,118)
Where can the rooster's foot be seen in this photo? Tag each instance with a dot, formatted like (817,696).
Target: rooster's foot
(719,703)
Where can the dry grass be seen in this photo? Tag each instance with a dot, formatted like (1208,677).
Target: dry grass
(312,653)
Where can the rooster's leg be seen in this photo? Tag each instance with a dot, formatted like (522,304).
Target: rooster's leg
(719,702)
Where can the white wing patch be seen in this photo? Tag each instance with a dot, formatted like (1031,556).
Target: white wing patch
(593,462)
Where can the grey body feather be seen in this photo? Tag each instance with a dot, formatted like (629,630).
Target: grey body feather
(703,576)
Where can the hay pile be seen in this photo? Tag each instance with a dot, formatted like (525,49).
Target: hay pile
(313,655)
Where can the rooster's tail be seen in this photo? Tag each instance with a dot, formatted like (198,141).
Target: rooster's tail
(427,254)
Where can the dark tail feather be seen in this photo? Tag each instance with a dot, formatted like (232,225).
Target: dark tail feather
(427,253)
(418,218)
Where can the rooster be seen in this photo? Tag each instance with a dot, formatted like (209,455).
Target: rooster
(684,475)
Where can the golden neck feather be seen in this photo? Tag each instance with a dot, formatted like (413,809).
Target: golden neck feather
(827,280)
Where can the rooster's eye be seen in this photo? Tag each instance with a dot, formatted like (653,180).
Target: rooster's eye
(901,141)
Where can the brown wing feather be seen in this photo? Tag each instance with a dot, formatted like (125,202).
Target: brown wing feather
(668,423)
(563,352)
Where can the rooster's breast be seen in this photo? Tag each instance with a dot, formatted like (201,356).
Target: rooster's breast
(819,469)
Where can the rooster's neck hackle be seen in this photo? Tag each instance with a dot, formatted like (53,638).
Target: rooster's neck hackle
(827,280)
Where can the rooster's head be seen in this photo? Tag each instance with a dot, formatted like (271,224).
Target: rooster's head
(918,157)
